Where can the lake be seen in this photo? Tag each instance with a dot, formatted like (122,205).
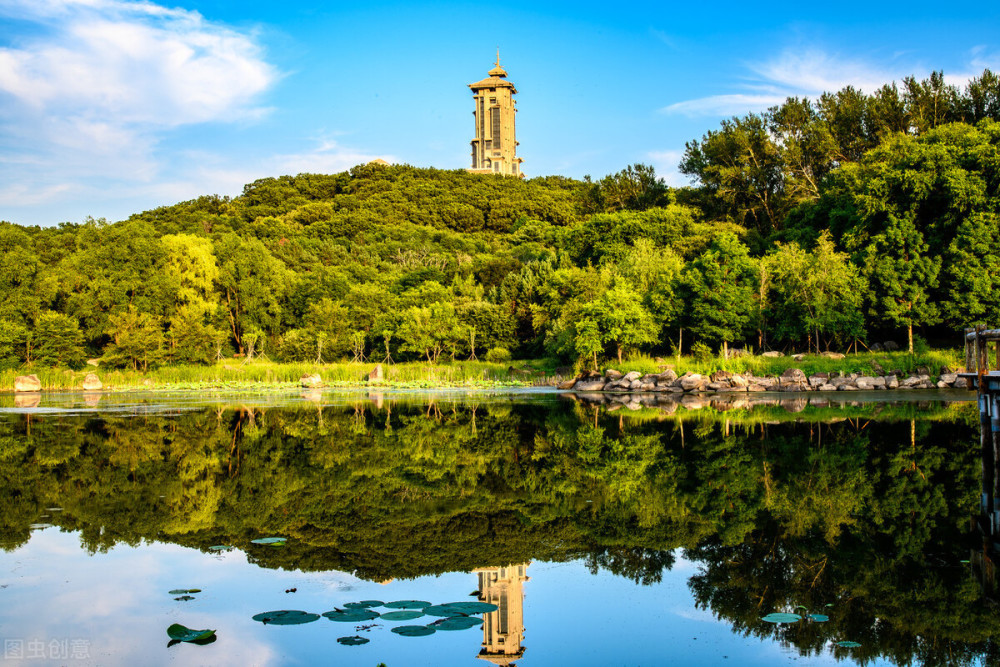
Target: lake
(583,531)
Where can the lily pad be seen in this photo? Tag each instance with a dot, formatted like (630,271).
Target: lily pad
(364,604)
(819,618)
(285,617)
(185,634)
(407,604)
(269,540)
(457,623)
(848,644)
(413,630)
(403,615)
(782,617)
(351,615)
(184,591)
(471,607)
(220,547)
(353,641)
(439,610)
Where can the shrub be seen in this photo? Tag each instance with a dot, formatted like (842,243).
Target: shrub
(498,355)
(701,352)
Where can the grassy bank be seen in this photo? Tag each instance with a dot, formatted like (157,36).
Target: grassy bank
(233,375)
(864,363)
(230,375)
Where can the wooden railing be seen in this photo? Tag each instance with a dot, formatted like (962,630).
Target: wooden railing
(979,342)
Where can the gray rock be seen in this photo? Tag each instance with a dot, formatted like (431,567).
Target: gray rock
(890,346)
(793,375)
(568,384)
(847,387)
(827,387)
(632,376)
(311,380)
(24,383)
(719,376)
(865,382)
(948,378)
(832,355)
(818,380)
(891,382)
(756,388)
(589,385)
(612,374)
(692,382)
(647,386)
(773,354)
(634,384)
(666,377)
(716,386)
(738,381)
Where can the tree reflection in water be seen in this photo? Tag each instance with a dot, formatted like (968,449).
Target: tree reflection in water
(781,505)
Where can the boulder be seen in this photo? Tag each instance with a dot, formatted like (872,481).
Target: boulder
(310,380)
(948,378)
(864,382)
(24,383)
(798,357)
(666,377)
(611,374)
(876,347)
(772,354)
(793,375)
(92,382)
(693,382)
(568,384)
(826,387)
(832,355)
(634,384)
(961,383)
(716,386)
(891,382)
(589,385)
(756,387)
(632,376)
(890,346)
(93,362)
(818,379)
(647,386)
(719,376)
(911,381)
(738,381)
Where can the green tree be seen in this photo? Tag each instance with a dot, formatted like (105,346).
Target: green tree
(57,340)
(137,339)
(621,319)
(719,289)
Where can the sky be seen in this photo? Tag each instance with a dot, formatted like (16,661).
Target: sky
(113,107)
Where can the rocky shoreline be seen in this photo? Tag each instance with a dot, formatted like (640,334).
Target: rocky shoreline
(792,380)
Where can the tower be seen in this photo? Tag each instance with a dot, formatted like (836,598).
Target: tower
(494,149)
(503,629)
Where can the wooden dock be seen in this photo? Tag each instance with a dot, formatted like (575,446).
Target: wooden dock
(982,369)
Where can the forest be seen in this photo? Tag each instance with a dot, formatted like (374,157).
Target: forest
(844,221)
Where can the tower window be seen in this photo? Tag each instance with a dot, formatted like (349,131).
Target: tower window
(496,167)
(495,121)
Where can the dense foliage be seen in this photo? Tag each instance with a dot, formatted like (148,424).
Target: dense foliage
(814,224)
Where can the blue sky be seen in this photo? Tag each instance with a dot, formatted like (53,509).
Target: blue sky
(109,107)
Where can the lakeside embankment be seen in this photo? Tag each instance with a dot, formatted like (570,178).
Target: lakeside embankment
(268,375)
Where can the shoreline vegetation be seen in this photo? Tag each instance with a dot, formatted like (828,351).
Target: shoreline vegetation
(266,375)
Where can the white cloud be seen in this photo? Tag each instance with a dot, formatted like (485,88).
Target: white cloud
(666,165)
(723,105)
(90,87)
(811,72)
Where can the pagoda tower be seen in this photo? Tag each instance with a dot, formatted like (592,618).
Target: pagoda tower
(494,149)
(503,629)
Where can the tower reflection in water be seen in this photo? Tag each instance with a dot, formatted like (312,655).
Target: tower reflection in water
(503,629)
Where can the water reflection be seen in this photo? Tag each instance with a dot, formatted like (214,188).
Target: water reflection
(503,629)
(780,502)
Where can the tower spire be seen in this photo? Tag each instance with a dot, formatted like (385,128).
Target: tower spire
(498,56)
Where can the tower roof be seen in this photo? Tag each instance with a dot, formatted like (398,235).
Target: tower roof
(497,78)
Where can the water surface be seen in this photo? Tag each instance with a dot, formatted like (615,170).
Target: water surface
(632,532)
